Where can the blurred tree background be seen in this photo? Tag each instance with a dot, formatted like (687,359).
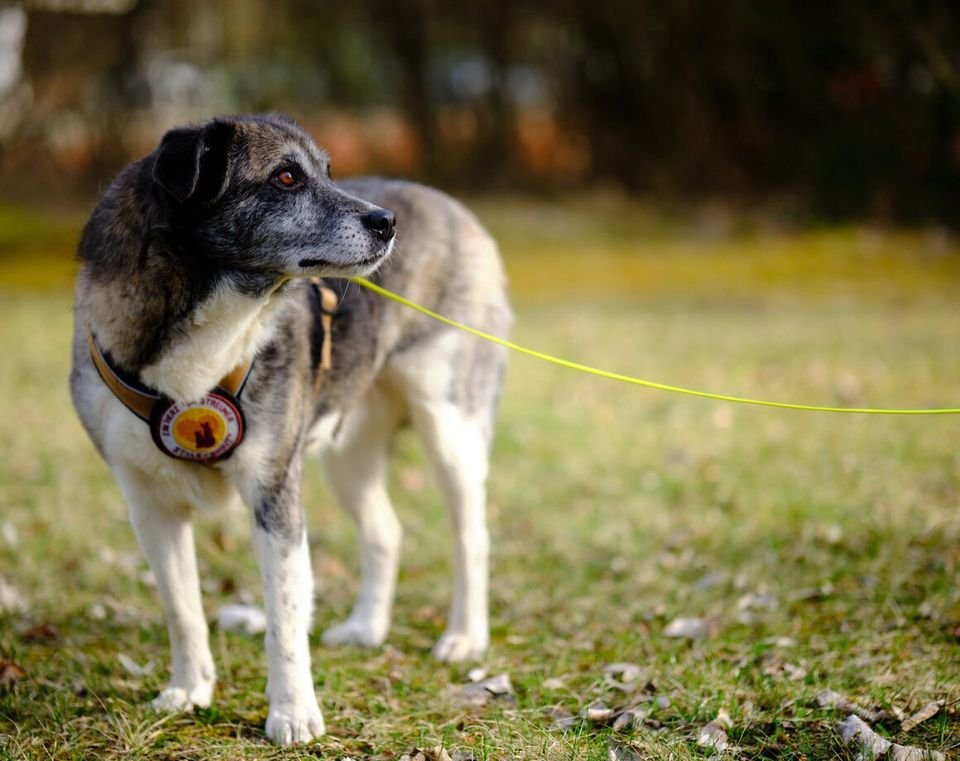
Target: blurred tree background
(847,109)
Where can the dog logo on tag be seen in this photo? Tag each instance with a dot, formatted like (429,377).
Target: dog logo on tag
(198,429)
(203,431)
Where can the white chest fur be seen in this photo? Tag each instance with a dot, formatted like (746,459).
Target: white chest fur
(223,331)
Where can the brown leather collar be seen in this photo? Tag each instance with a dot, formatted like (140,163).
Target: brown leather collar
(141,400)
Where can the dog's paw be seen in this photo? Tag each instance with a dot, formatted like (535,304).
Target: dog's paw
(457,646)
(355,632)
(288,724)
(175,699)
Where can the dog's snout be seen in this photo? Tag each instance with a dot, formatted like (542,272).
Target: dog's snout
(380,221)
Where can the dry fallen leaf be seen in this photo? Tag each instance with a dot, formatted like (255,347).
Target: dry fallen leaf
(10,674)
(437,753)
(794,673)
(133,668)
(623,753)
(854,730)
(927,712)
(480,693)
(553,683)
(831,699)
(687,628)
(497,685)
(247,618)
(11,600)
(39,633)
(629,676)
(897,713)
(813,594)
(913,753)
(598,712)
(780,641)
(9,533)
(757,601)
(562,719)
(710,580)
(477,674)
(627,672)
(713,735)
(631,718)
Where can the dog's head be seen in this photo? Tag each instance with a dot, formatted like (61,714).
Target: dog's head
(253,195)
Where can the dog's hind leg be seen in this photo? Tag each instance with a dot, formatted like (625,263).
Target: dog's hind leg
(458,445)
(165,533)
(356,468)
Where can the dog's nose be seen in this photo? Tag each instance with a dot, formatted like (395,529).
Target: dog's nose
(380,221)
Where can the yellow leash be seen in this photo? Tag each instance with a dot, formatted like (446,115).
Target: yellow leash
(639,381)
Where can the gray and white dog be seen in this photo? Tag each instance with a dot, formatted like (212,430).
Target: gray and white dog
(196,262)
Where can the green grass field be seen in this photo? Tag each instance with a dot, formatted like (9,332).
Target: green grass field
(820,551)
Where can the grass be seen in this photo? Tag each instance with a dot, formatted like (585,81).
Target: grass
(823,550)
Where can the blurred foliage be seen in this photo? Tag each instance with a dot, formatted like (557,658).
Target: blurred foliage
(849,108)
(621,249)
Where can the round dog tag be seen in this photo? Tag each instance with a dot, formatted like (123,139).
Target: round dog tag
(204,431)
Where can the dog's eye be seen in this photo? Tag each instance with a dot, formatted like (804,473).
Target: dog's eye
(286,178)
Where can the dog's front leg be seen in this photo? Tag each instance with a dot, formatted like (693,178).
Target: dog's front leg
(165,533)
(280,542)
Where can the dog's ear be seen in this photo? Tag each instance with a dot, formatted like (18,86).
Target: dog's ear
(192,163)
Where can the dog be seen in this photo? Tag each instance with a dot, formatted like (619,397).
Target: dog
(208,360)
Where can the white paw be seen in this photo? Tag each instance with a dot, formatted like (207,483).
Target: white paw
(456,646)
(175,699)
(289,724)
(355,631)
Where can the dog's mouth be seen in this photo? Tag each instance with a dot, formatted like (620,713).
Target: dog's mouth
(355,267)
(361,263)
